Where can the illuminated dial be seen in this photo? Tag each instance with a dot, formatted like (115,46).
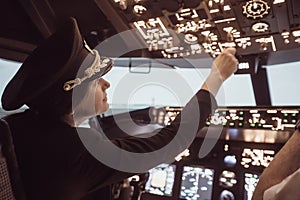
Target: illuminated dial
(260,27)
(227,179)
(190,38)
(139,10)
(256,9)
(226,195)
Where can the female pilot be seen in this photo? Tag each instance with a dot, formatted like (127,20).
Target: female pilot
(61,83)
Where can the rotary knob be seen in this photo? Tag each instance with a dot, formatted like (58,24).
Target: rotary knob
(256,9)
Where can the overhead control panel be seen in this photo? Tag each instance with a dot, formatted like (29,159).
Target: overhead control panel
(185,27)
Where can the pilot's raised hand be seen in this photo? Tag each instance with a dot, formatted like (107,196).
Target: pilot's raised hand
(223,67)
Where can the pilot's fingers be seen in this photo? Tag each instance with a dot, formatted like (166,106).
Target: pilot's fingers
(230,50)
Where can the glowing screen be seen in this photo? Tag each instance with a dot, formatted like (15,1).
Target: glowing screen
(197,183)
(250,184)
(257,157)
(161,180)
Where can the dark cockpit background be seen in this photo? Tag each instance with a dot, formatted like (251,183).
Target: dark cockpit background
(185,35)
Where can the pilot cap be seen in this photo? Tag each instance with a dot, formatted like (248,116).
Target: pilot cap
(49,75)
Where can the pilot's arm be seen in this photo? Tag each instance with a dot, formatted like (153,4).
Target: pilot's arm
(285,163)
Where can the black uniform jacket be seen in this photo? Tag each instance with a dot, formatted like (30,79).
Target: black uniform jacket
(55,165)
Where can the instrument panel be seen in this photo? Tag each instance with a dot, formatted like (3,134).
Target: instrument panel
(264,118)
(249,139)
(230,171)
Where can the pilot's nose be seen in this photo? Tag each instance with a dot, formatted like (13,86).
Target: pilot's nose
(105,84)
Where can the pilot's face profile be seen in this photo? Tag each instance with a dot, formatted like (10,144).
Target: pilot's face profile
(93,99)
(101,104)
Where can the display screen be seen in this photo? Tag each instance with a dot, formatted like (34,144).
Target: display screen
(257,157)
(250,184)
(161,180)
(196,183)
